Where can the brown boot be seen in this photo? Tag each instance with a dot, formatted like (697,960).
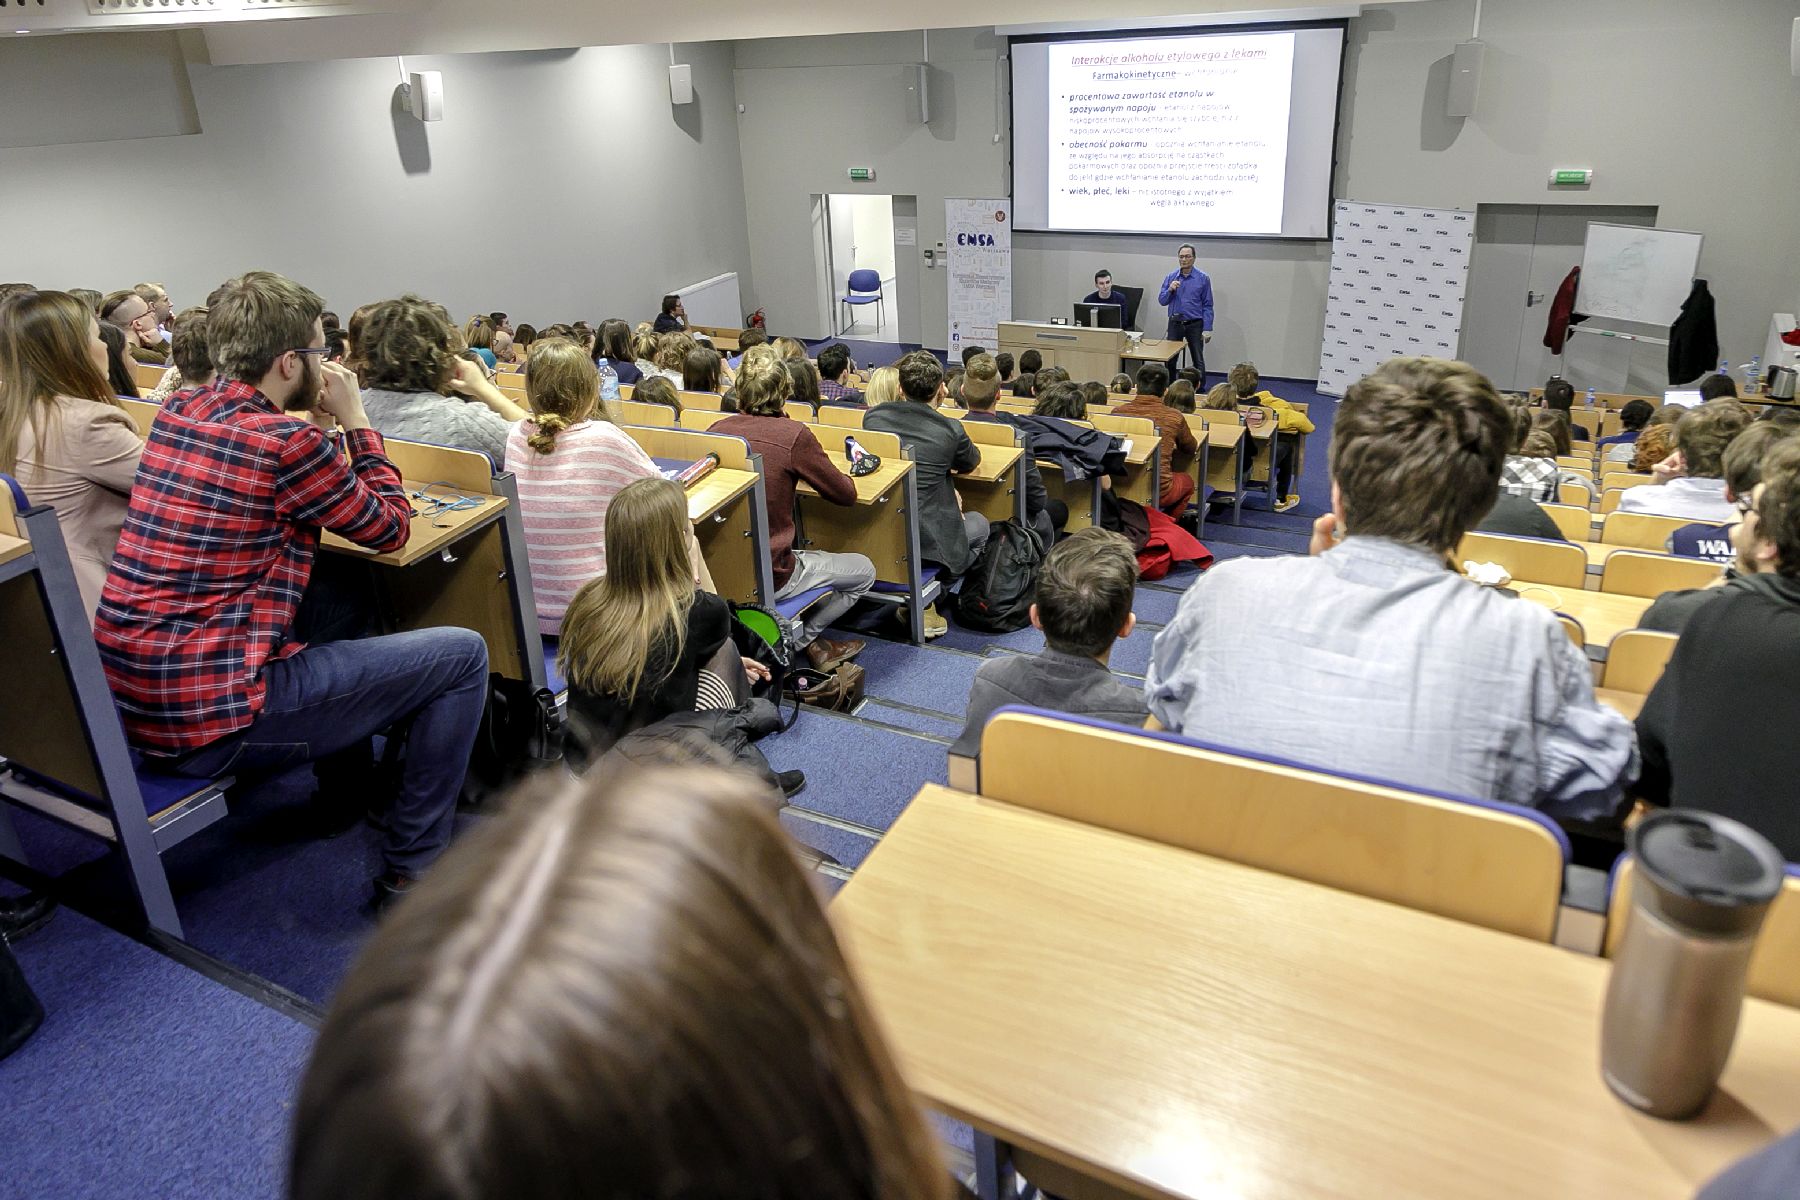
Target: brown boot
(824,654)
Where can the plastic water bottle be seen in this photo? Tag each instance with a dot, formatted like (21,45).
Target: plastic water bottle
(609,383)
(1725,366)
(1752,373)
(1590,397)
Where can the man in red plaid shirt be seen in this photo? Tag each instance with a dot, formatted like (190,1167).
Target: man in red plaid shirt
(196,623)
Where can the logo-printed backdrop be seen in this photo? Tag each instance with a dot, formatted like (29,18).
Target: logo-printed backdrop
(979,274)
(1398,279)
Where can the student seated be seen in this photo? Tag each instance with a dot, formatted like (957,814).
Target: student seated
(883,386)
(570,461)
(1657,441)
(478,336)
(1030,363)
(803,383)
(1372,656)
(1003,361)
(1556,425)
(654,389)
(702,371)
(643,352)
(1172,428)
(1083,606)
(1718,386)
(670,358)
(408,354)
(1120,385)
(1530,472)
(1222,397)
(1690,482)
(981,392)
(1742,467)
(118,362)
(1706,727)
(627,987)
(1559,397)
(791,453)
(834,369)
(1619,447)
(1192,376)
(747,339)
(194,623)
(1290,423)
(612,346)
(1180,396)
(641,642)
(190,366)
(939,447)
(1670,612)
(137,321)
(970,351)
(63,434)
(1515,516)
(672,318)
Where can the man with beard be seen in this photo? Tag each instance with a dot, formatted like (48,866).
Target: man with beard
(195,625)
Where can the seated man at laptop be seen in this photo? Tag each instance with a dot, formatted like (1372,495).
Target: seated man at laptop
(1104,293)
(1372,656)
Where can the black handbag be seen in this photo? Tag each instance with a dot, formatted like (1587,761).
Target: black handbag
(20,1012)
(520,732)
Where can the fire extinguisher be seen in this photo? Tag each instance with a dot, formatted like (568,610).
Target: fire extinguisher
(756,320)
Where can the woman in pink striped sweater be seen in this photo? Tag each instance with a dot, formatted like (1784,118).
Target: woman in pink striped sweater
(570,460)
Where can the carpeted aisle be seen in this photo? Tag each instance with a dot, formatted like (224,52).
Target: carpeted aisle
(146,1080)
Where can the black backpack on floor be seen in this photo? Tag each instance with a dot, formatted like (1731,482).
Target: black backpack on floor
(997,592)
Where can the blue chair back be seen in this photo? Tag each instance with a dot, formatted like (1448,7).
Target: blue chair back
(865,281)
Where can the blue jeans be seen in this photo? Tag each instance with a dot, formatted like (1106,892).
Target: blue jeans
(329,697)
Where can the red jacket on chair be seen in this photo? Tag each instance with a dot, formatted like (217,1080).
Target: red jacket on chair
(1562,309)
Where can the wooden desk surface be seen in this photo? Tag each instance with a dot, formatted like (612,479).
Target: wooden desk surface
(720,487)
(995,462)
(12,547)
(1153,350)
(1178,1025)
(1628,703)
(1224,437)
(1602,614)
(872,487)
(430,533)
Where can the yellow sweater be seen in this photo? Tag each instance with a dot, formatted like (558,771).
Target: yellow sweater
(1288,419)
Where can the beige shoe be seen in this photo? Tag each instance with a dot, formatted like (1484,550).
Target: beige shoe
(935,626)
(1292,501)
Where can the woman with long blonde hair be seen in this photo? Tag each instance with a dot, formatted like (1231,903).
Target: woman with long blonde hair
(63,434)
(641,642)
(622,987)
(570,461)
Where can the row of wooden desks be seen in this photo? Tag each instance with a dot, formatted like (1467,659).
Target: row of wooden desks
(1121,1016)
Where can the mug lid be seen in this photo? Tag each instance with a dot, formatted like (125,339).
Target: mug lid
(1707,858)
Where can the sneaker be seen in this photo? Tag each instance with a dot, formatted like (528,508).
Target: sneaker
(1290,502)
(935,625)
(389,887)
(792,783)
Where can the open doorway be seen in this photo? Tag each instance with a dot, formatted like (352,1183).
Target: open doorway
(856,267)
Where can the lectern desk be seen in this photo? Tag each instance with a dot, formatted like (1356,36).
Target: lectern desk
(1084,353)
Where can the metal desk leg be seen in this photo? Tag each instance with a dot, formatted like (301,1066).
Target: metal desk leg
(1204,471)
(994,1175)
(915,569)
(1243,474)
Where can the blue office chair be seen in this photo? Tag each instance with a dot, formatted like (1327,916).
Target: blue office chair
(865,288)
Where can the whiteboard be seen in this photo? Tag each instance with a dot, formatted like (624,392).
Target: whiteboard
(713,302)
(1631,273)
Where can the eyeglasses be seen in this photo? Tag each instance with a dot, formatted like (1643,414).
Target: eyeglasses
(311,350)
(1744,505)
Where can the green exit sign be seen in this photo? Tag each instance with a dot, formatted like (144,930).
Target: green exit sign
(862,174)
(1572,176)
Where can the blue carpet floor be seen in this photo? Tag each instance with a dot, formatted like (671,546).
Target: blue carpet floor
(856,772)
(146,1079)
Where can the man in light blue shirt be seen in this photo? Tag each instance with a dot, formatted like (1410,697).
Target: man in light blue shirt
(1371,656)
(1187,293)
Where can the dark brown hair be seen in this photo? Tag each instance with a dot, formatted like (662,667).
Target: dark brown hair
(656,389)
(257,318)
(1778,512)
(700,370)
(1084,591)
(406,345)
(43,354)
(187,347)
(1061,400)
(1416,451)
(921,374)
(624,987)
(1742,461)
(1555,422)
(1703,433)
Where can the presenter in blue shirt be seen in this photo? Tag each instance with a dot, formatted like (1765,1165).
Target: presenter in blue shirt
(1188,294)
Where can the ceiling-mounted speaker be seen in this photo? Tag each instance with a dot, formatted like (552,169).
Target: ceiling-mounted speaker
(1465,78)
(681,83)
(918,93)
(425,95)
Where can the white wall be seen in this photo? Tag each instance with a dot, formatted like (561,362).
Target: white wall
(1671,102)
(874,218)
(561,185)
